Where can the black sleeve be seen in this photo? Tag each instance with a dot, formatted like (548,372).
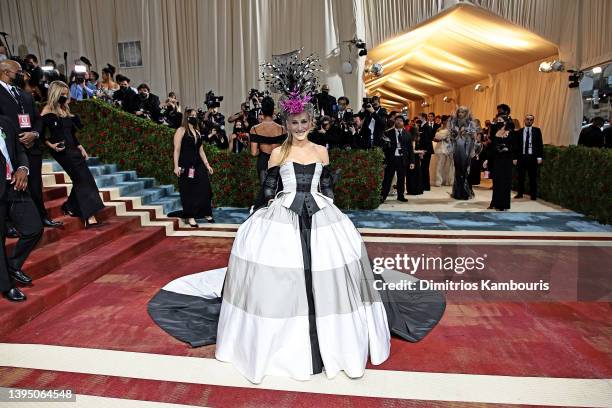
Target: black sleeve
(21,159)
(76,126)
(270,184)
(326,182)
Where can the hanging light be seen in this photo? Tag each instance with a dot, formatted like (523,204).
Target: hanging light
(480,88)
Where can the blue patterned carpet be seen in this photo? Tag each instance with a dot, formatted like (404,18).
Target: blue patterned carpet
(494,221)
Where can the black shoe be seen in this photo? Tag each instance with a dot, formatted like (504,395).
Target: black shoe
(402,199)
(518,196)
(89,225)
(67,211)
(210,220)
(21,277)
(14,295)
(11,232)
(48,222)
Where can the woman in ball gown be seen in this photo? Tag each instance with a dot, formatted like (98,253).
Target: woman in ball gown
(84,200)
(463,132)
(299,295)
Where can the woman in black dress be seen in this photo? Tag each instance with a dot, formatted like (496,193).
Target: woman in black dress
(192,168)
(414,175)
(84,199)
(476,165)
(500,156)
(265,137)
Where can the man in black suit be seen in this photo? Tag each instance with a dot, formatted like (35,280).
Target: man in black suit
(592,136)
(145,104)
(19,107)
(374,123)
(325,101)
(125,94)
(529,152)
(427,133)
(15,200)
(399,154)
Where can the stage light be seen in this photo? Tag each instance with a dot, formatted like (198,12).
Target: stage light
(574,78)
(47,68)
(80,69)
(448,99)
(552,66)
(424,104)
(363,53)
(480,88)
(597,70)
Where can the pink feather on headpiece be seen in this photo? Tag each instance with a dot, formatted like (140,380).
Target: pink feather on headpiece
(295,103)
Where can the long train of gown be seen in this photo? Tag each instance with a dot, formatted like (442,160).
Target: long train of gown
(259,310)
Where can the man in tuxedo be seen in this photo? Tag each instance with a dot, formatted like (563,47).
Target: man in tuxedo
(529,151)
(15,200)
(427,133)
(19,107)
(399,155)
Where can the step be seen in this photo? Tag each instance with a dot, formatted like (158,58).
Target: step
(109,180)
(102,169)
(48,258)
(54,193)
(54,288)
(130,188)
(54,207)
(169,203)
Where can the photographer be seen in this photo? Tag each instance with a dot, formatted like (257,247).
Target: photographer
(326,102)
(255,115)
(213,121)
(79,89)
(145,104)
(239,139)
(171,111)
(374,121)
(399,155)
(243,115)
(125,94)
(35,73)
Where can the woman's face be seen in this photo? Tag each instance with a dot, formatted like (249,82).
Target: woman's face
(66,93)
(299,125)
(105,77)
(461,113)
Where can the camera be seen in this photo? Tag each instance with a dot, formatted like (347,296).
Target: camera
(213,101)
(367,102)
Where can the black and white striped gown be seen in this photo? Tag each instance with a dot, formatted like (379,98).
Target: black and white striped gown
(298,295)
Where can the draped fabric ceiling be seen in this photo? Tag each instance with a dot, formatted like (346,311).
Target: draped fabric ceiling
(457,47)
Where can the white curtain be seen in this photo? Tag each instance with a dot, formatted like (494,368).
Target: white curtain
(191,46)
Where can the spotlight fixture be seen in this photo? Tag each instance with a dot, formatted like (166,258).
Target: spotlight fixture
(47,68)
(448,99)
(551,66)
(597,70)
(480,88)
(424,104)
(361,46)
(574,78)
(80,69)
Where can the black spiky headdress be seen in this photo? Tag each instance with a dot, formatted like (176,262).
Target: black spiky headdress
(296,80)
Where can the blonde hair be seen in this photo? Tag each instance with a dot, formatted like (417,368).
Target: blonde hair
(55,91)
(285,148)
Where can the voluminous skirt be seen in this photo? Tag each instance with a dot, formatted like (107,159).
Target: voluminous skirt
(263,311)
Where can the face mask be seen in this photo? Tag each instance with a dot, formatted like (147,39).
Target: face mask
(143,96)
(62,99)
(192,121)
(123,87)
(19,81)
(3,57)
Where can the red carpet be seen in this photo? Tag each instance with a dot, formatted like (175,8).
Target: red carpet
(498,338)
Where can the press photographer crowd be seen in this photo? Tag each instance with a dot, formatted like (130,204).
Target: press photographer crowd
(35,114)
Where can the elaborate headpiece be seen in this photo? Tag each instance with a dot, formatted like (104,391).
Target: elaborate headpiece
(296,81)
